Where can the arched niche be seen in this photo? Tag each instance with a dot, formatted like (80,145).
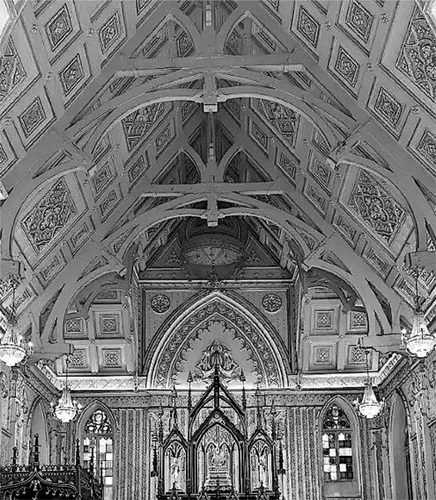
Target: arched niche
(400,450)
(217,328)
(38,425)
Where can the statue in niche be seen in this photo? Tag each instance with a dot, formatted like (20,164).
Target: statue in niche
(175,473)
(216,354)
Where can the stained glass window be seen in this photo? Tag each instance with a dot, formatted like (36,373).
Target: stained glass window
(337,446)
(98,434)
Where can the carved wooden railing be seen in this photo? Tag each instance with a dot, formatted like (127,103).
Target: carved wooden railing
(48,481)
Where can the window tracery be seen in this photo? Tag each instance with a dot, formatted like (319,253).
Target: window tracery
(98,439)
(337,439)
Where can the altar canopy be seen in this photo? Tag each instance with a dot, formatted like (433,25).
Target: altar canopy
(217,457)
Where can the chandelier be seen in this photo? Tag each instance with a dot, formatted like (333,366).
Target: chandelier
(369,407)
(13,348)
(67,409)
(419,342)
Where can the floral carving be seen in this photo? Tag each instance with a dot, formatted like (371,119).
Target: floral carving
(374,205)
(59,27)
(160,303)
(72,74)
(32,117)
(388,107)
(11,70)
(359,20)
(346,67)
(427,147)
(110,32)
(49,216)
(139,123)
(272,302)
(283,119)
(417,58)
(308,27)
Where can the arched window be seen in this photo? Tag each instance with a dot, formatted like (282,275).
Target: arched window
(337,445)
(98,434)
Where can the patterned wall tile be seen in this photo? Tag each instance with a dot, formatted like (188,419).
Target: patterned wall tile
(315,196)
(74,328)
(346,67)
(110,32)
(376,261)
(358,320)
(49,216)
(416,58)
(345,228)
(52,269)
(72,75)
(32,117)
(139,123)
(282,119)
(285,163)
(359,20)
(7,155)
(12,71)
(164,139)
(184,45)
(426,147)
(141,5)
(101,177)
(78,360)
(259,136)
(111,358)
(109,325)
(138,169)
(320,171)
(59,27)
(80,236)
(376,207)
(387,107)
(109,203)
(308,27)
(356,356)
(324,320)
(323,355)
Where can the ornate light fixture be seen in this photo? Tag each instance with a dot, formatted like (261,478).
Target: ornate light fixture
(67,409)
(13,348)
(369,407)
(419,342)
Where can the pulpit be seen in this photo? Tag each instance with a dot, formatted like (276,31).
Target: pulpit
(46,481)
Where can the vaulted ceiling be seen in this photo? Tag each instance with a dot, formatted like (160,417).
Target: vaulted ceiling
(311,124)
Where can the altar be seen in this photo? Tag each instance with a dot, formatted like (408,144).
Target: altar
(217,458)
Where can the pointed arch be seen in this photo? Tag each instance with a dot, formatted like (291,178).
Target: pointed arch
(177,335)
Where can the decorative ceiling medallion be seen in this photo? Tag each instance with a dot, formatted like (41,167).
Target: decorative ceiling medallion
(370,201)
(49,216)
(417,58)
(272,303)
(216,355)
(160,303)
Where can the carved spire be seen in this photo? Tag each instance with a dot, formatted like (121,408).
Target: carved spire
(258,408)
(77,453)
(160,414)
(244,396)
(174,412)
(36,452)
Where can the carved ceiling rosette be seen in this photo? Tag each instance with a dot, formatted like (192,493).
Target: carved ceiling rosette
(216,322)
